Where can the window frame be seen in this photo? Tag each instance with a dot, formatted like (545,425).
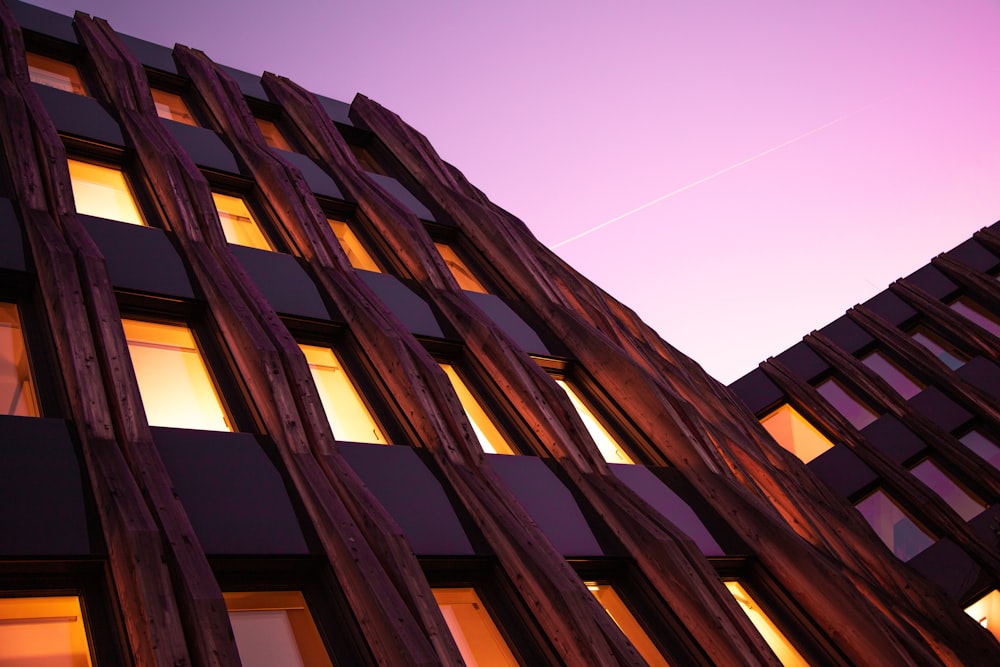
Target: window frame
(121,161)
(261,212)
(71,57)
(39,346)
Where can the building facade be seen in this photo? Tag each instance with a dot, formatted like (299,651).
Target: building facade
(281,387)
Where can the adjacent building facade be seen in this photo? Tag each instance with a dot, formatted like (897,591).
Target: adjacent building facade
(281,387)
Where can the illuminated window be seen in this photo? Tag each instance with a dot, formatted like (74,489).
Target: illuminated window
(782,648)
(904,385)
(55,74)
(172,107)
(45,631)
(627,622)
(273,136)
(610,449)
(17,395)
(478,638)
(899,532)
(238,223)
(173,379)
(348,415)
(949,355)
(486,431)
(846,404)
(463,276)
(355,251)
(974,312)
(793,432)
(103,192)
(275,628)
(964,505)
(982,447)
(986,611)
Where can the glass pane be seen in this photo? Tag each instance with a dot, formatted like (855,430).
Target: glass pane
(486,431)
(625,620)
(964,505)
(463,276)
(782,648)
(610,450)
(903,537)
(986,611)
(846,404)
(982,446)
(103,192)
(793,432)
(17,394)
(947,353)
(356,253)
(172,107)
(904,385)
(238,224)
(477,636)
(974,312)
(275,628)
(173,380)
(273,136)
(43,632)
(55,74)
(348,415)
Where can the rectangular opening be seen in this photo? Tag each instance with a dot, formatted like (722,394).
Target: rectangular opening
(490,438)
(986,612)
(904,384)
(275,628)
(477,635)
(846,403)
(349,417)
(947,353)
(103,192)
(794,432)
(356,253)
(172,107)
(43,631)
(977,314)
(238,223)
(17,392)
(957,498)
(608,446)
(273,136)
(982,447)
(787,654)
(901,534)
(463,276)
(55,74)
(627,622)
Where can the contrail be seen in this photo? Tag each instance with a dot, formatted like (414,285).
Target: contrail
(756,156)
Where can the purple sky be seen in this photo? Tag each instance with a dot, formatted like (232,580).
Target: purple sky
(787,145)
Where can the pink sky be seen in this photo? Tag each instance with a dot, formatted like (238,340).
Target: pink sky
(570,114)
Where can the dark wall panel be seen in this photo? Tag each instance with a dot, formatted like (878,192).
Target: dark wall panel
(948,566)
(802,361)
(80,116)
(337,111)
(11,244)
(284,282)
(982,373)
(203,146)
(402,195)
(895,440)
(972,254)
(842,470)
(248,83)
(43,21)
(505,318)
(940,409)
(847,335)
(757,390)
(411,310)
(932,281)
(149,54)
(890,307)
(317,179)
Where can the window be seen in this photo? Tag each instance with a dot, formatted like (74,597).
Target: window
(17,394)
(55,74)
(478,638)
(43,631)
(238,223)
(982,447)
(782,648)
(348,415)
(463,276)
(486,431)
(627,622)
(845,403)
(986,611)
(974,312)
(964,505)
(899,532)
(793,432)
(273,135)
(275,628)
(173,380)
(172,107)
(949,355)
(610,449)
(904,385)
(103,192)
(351,244)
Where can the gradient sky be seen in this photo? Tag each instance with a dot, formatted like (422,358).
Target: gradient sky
(801,155)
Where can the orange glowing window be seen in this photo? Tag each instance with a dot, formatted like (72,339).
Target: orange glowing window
(174,382)
(478,638)
(986,611)
(782,648)
(793,432)
(348,415)
(55,74)
(273,135)
(490,438)
(627,622)
(463,276)
(17,395)
(275,628)
(238,223)
(172,107)
(609,447)
(352,246)
(43,632)
(103,192)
